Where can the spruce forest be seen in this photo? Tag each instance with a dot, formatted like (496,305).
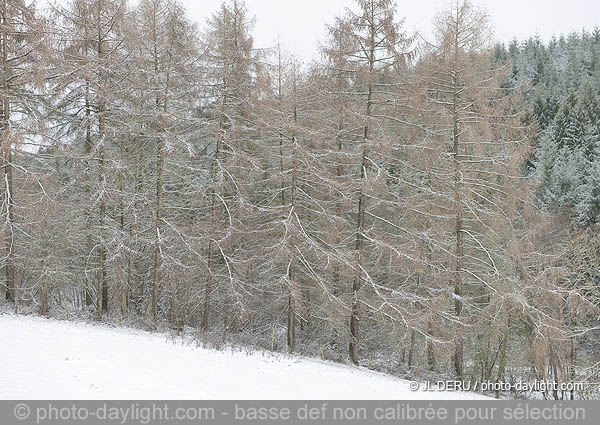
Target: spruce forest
(426,208)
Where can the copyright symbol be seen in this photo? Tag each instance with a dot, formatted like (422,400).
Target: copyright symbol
(414,386)
(22,411)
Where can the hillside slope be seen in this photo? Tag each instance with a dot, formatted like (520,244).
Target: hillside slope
(48,359)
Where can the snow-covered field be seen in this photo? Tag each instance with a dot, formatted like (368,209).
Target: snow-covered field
(48,359)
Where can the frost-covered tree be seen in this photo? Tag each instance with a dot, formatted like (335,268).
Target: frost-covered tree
(481,148)
(367,52)
(230,63)
(22,52)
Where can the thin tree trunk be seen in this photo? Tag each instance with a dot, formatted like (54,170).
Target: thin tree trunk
(102,301)
(431,363)
(124,298)
(291,329)
(87,150)
(502,355)
(157,244)
(411,349)
(362,204)
(11,286)
(159,182)
(572,373)
(291,320)
(458,359)
(213,221)
(140,285)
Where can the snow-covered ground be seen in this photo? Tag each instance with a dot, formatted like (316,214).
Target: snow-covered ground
(49,359)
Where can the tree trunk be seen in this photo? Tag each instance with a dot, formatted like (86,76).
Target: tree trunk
(362,204)
(213,226)
(11,286)
(502,355)
(87,149)
(291,329)
(411,349)
(157,244)
(125,263)
(102,300)
(430,349)
(458,359)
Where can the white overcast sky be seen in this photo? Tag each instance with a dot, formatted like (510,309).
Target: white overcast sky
(300,23)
